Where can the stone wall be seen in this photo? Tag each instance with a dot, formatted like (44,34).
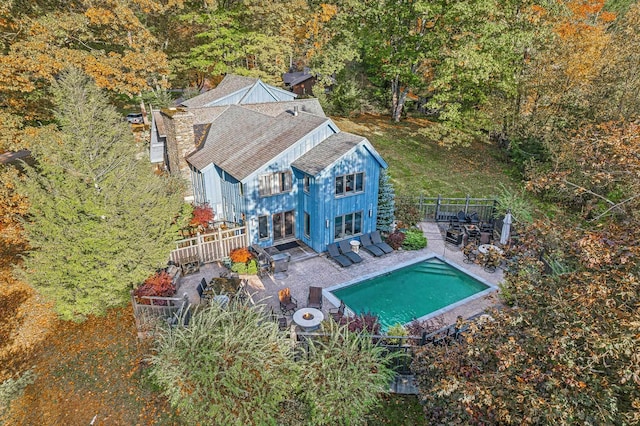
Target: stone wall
(180,143)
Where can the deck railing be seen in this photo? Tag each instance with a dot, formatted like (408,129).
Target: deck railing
(441,209)
(211,246)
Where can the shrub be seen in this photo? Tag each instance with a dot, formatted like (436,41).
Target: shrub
(202,215)
(240,255)
(364,322)
(396,330)
(407,214)
(416,327)
(248,268)
(396,239)
(414,239)
(158,284)
(229,367)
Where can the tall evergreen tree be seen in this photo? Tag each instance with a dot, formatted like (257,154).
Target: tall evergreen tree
(386,203)
(99,221)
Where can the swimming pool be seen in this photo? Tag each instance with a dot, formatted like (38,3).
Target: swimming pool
(421,290)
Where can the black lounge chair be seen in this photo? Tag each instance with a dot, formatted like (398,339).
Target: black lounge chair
(337,313)
(345,248)
(462,217)
(315,298)
(377,240)
(368,245)
(334,253)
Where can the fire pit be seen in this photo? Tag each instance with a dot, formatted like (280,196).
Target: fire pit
(308,319)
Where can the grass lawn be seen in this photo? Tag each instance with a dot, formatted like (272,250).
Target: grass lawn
(418,165)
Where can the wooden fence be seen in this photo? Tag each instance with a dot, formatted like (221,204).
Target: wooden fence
(147,315)
(211,247)
(440,209)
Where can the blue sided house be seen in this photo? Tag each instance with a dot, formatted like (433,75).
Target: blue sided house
(260,157)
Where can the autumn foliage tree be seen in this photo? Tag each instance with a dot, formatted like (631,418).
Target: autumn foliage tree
(568,345)
(98,221)
(106,39)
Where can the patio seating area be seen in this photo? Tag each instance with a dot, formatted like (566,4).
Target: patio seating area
(321,271)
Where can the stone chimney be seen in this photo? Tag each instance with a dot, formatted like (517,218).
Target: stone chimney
(180,143)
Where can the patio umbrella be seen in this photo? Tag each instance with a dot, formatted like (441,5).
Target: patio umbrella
(506,228)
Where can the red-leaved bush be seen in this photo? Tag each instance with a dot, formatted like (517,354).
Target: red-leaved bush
(202,215)
(396,239)
(240,255)
(159,284)
(367,322)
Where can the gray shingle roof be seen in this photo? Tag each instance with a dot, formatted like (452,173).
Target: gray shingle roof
(240,140)
(206,115)
(230,84)
(327,152)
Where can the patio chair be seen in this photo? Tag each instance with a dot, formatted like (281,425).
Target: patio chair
(204,297)
(315,298)
(473,218)
(337,313)
(377,240)
(462,217)
(283,324)
(288,304)
(368,245)
(334,253)
(485,238)
(182,317)
(345,248)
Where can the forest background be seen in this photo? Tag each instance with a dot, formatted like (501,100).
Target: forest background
(551,85)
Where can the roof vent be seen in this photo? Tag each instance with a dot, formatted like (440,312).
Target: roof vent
(295,111)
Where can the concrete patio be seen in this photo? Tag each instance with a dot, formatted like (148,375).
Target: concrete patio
(308,268)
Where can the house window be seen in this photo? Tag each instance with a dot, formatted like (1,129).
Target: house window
(275,183)
(307,225)
(349,184)
(347,225)
(263,227)
(306,183)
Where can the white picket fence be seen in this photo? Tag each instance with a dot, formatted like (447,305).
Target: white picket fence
(212,246)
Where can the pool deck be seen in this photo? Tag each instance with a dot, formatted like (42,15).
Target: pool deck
(310,269)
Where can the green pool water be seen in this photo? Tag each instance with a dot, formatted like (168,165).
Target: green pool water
(411,292)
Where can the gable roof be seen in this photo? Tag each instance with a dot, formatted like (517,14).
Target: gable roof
(229,85)
(331,150)
(209,114)
(240,141)
(237,85)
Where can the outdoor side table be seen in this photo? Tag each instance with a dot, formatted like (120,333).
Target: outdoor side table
(355,246)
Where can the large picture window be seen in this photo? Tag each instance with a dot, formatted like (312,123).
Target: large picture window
(347,225)
(275,183)
(263,227)
(349,184)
